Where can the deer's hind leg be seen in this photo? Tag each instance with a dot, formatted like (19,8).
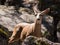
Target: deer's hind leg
(16,34)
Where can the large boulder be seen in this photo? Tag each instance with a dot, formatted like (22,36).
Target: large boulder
(31,40)
(9,18)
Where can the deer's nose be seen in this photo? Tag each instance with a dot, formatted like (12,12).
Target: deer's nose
(38,19)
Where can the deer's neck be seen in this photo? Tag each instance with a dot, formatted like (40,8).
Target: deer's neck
(38,24)
(37,29)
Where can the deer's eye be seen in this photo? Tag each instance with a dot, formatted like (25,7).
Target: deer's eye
(35,14)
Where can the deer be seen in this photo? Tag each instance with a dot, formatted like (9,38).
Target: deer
(27,29)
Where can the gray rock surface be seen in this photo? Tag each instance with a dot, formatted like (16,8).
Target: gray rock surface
(9,17)
(31,40)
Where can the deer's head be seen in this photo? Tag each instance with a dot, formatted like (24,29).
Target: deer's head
(40,15)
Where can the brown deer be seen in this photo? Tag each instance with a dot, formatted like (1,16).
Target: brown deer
(26,29)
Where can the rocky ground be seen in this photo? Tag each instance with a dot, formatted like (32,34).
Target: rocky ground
(9,18)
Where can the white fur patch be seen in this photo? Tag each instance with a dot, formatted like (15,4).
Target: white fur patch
(37,17)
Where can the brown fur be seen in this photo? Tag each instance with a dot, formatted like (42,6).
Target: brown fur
(33,29)
(16,32)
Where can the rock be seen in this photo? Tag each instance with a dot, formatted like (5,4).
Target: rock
(31,40)
(26,11)
(28,18)
(9,18)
